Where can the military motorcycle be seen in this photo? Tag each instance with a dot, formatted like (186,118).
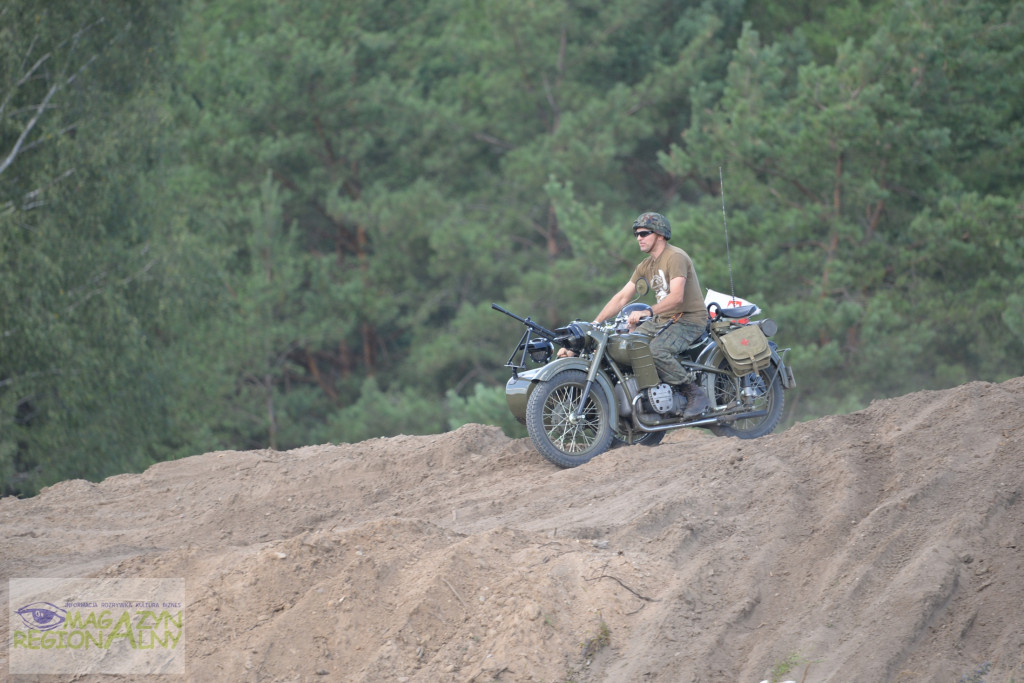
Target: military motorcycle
(607,394)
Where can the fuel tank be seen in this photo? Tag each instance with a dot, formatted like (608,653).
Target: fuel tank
(634,351)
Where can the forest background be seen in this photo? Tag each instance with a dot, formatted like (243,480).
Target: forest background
(246,224)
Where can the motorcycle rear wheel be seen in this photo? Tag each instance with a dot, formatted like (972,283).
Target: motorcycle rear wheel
(770,398)
(550,412)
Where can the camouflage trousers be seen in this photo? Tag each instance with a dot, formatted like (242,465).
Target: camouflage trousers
(667,343)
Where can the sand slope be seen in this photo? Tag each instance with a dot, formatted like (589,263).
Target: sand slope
(884,545)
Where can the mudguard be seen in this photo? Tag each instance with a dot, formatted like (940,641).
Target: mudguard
(785,372)
(519,388)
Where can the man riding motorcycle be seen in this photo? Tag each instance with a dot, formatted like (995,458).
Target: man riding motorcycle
(678,317)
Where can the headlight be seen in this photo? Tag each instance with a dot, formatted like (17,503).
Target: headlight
(540,350)
(571,337)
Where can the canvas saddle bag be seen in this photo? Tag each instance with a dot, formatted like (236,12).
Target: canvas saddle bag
(745,346)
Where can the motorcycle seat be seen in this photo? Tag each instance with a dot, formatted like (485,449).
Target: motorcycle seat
(737,311)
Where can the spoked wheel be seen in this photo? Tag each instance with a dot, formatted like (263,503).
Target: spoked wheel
(767,395)
(551,420)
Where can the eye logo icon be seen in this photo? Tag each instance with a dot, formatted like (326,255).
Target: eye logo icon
(42,616)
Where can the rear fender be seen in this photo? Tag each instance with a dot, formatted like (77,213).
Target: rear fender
(785,372)
(708,354)
(519,388)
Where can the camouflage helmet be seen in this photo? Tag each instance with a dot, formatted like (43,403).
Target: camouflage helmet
(654,222)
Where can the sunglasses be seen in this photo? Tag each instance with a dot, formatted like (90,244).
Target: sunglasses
(642,233)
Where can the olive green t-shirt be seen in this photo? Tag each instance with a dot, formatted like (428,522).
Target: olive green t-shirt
(673,262)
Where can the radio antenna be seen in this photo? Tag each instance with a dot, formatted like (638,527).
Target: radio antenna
(728,257)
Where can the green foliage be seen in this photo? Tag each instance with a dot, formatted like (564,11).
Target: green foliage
(597,642)
(248,224)
(486,405)
(824,26)
(79,129)
(786,666)
(380,413)
(834,173)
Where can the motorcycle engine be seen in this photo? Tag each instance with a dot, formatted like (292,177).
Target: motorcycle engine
(665,398)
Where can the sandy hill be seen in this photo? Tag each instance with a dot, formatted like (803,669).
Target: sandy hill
(883,545)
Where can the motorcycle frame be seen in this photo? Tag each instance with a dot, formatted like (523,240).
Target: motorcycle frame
(662,425)
(595,373)
(589,362)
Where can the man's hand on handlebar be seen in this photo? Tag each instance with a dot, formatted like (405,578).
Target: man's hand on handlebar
(636,317)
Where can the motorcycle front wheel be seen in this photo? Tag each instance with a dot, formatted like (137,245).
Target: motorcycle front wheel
(768,397)
(551,420)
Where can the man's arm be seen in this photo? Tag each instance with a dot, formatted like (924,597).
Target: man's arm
(671,300)
(614,305)
(674,298)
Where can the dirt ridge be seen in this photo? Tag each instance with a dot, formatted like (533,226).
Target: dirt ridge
(883,545)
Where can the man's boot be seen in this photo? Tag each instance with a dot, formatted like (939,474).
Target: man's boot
(696,400)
